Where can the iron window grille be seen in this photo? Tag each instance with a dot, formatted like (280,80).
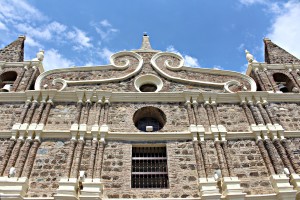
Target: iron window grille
(149,167)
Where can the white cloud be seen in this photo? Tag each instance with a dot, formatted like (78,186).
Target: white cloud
(53,59)
(32,43)
(80,39)
(105,54)
(188,60)
(105,23)
(250,2)
(285,29)
(3,26)
(19,10)
(104,29)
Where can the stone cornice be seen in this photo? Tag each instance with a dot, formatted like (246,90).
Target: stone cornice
(265,66)
(200,97)
(25,64)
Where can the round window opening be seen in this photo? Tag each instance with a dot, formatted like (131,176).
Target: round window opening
(148,87)
(149,119)
(148,83)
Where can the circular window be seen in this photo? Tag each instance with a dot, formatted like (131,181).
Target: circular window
(149,119)
(148,87)
(148,83)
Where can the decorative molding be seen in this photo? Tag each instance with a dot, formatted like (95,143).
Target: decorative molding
(168,63)
(113,65)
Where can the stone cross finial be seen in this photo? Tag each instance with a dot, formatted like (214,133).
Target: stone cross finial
(146,42)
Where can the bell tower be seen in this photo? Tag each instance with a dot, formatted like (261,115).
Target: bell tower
(280,71)
(15,73)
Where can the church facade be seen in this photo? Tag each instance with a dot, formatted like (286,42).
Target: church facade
(146,126)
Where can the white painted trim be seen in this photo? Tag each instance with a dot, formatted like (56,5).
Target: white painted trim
(263,66)
(94,68)
(199,70)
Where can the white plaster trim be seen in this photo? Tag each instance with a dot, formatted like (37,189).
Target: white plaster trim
(148,79)
(27,64)
(96,68)
(265,66)
(226,85)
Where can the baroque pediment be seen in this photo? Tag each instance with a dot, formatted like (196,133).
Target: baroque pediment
(125,67)
(128,70)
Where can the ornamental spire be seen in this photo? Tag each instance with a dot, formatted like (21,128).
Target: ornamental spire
(146,43)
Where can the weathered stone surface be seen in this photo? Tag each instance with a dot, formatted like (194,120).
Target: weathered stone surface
(61,116)
(249,166)
(233,117)
(9,114)
(48,167)
(116,172)
(121,116)
(276,55)
(287,114)
(14,52)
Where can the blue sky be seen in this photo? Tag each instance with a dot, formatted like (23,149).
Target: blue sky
(208,34)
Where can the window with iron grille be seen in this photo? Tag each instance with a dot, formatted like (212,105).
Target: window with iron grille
(149,167)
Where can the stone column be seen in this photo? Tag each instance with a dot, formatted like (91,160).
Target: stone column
(31,157)
(99,159)
(32,77)
(37,117)
(283,155)
(272,153)
(46,112)
(269,112)
(207,166)
(90,171)
(222,161)
(70,157)
(248,113)
(256,114)
(290,155)
(22,157)
(31,112)
(258,78)
(295,77)
(190,112)
(210,114)
(196,114)
(77,158)
(271,80)
(14,156)
(215,111)
(227,158)
(106,111)
(264,114)
(24,112)
(7,155)
(265,156)
(199,160)
(19,78)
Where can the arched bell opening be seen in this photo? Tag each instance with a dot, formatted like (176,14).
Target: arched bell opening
(7,81)
(284,83)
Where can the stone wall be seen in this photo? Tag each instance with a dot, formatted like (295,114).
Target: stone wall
(287,114)
(249,166)
(294,144)
(121,116)
(61,116)
(3,147)
(233,117)
(48,167)
(9,114)
(14,52)
(116,172)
